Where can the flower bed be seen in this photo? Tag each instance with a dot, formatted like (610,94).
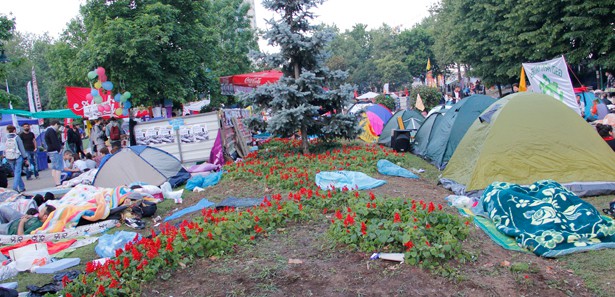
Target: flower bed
(362,221)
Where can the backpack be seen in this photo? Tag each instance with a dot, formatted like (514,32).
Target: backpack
(114,133)
(11,151)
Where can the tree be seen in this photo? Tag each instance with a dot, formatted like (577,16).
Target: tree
(299,100)
(7,28)
(430,96)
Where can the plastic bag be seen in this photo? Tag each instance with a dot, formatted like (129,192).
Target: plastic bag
(168,193)
(108,243)
(204,181)
(388,168)
(30,255)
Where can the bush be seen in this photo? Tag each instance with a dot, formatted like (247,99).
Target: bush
(431,96)
(386,101)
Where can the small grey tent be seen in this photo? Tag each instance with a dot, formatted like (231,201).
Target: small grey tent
(141,164)
(411,119)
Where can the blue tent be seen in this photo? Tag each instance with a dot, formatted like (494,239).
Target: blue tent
(7,120)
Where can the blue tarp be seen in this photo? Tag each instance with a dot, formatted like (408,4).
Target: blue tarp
(108,243)
(203,181)
(388,168)
(204,203)
(350,179)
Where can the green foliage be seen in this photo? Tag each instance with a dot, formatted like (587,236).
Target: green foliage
(387,101)
(430,96)
(308,89)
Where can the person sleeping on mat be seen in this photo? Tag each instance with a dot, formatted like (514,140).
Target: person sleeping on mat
(14,223)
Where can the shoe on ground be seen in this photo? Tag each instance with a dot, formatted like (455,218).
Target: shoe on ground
(134,223)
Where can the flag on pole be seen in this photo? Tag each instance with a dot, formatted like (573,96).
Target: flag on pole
(522,83)
(428,64)
(14,117)
(419,103)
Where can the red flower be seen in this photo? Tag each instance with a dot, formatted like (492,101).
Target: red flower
(408,245)
(114,283)
(169,247)
(300,206)
(431,207)
(89,267)
(209,235)
(349,220)
(256,219)
(527,276)
(427,243)
(126,262)
(68,295)
(427,226)
(258,229)
(373,205)
(371,196)
(363,228)
(356,194)
(439,206)
(101,290)
(118,252)
(397,218)
(324,211)
(467,223)
(252,237)
(65,280)
(338,215)
(415,219)
(368,205)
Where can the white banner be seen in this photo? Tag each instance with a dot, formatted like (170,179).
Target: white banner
(30,98)
(551,78)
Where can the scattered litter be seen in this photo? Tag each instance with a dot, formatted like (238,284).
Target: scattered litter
(462,201)
(56,266)
(168,193)
(157,219)
(100,261)
(179,200)
(398,257)
(9,270)
(30,255)
(108,243)
(420,170)
(12,285)
(198,189)
(204,181)
(54,287)
(505,263)
(295,261)
(388,168)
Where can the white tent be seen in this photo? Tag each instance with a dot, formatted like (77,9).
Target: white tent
(368,95)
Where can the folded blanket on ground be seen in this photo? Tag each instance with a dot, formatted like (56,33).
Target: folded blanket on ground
(327,180)
(386,167)
(86,178)
(88,202)
(547,219)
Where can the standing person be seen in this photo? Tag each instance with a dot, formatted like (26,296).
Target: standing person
(114,132)
(54,146)
(17,157)
(78,143)
(610,80)
(98,136)
(29,143)
(71,138)
(457,94)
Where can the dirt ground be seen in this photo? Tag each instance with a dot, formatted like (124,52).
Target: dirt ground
(324,268)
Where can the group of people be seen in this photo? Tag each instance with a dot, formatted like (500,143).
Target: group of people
(67,158)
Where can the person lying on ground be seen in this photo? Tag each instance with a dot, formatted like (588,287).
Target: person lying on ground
(14,223)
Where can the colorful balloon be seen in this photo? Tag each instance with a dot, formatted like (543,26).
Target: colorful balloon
(123,98)
(107,85)
(107,107)
(98,99)
(94,92)
(128,95)
(127,104)
(101,108)
(89,97)
(125,112)
(118,97)
(102,78)
(119,112)
(100,71)
(97,85)
(92,75)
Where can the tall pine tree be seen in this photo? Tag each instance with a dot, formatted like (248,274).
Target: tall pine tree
(309,97)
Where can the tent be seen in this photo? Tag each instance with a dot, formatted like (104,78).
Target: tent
(141,164)
(527,137)
(453,126)
(7,120)
(411,119)
(425,133)
(378,115)
(439,108)
(368,95)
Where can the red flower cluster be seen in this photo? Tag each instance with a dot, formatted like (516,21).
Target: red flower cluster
(396,218)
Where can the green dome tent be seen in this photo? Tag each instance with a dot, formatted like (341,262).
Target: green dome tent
(526,137)
(412,120)
(453,126)
(425,132)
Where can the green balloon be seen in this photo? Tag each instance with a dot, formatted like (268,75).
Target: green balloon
(92,75)
(123,98)
(128,95)
(97,99)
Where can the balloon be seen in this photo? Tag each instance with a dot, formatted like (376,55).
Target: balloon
(117,97)
(97,85)
(107,85)
(100,71)
(92,75)
(127,104)
(89,97)
(125,112)
(101,108)
(123,98)
(102,78)
(98,99)
(119,112)
(128,95)
(94,92)
(107,107)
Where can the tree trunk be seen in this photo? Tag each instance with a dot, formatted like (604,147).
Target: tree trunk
(500,89)
(304,140)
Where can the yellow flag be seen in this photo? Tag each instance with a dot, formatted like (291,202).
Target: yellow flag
(419,103)
(428,64)
(522,84)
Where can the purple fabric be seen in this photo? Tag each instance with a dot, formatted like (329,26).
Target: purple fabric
(378,116)
(376,122)
(203,168)
(216,156)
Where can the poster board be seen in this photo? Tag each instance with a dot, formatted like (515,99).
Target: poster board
(193,135)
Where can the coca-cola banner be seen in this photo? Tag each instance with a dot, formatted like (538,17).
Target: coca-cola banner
(245,83)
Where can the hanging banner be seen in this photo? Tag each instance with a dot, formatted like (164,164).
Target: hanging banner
(30,99)
(82,106)
(552,78)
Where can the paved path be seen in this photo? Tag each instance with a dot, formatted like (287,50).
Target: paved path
(44,181)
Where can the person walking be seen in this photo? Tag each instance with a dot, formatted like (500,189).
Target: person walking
(16,156)
(79,143)
(29,143)
(54,147)
(71,138)
(114,132)
(98,136)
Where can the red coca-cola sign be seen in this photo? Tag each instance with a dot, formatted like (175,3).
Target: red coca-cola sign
(255,79)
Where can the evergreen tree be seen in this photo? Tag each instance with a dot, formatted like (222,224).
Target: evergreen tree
(308,90)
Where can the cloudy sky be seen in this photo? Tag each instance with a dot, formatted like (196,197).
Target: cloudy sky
(40,16)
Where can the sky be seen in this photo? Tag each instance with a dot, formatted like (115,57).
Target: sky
(51,16)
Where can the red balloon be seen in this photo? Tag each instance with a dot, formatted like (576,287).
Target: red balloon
(101,108)
(102,78)
(107,107)
(100,71)
(89,97)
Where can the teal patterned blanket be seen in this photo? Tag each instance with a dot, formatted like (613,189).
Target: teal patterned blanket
(547,219)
